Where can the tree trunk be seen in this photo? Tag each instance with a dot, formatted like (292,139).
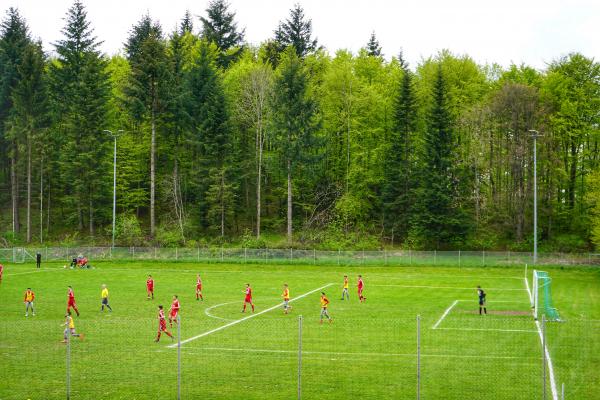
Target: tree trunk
(222,202)
(289,201)
(258,180)
(92,231)
(152,177)
(14,186)
(48,211)
(28,188)
(79,213)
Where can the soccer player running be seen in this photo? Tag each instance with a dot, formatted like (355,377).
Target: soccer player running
(104,295)
(150,287)
(174,311)
(162,324)
(28,300)
(70,328)
(345,292)
(481,294)
(248,298)
(286,298)
(71,302)
(199,288)
(361,286)
(324,304)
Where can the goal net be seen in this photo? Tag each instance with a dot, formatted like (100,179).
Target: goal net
(542,297)
(15,255)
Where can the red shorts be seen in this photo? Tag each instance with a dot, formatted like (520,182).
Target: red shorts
(162,325)
(150,288)
(360,290)
(71,303)
(198,287)
(248,299)
(173,314)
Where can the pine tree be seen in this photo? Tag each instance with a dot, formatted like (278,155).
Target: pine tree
(30,110)
(79,96)
(211,136)
(296,31)
(294,121)
(437,222)
(148,88)
(14,39)
(187,25)
(220,28)
(373,47)
(398,190)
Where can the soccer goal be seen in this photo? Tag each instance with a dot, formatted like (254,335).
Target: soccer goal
(15,255)
(542,297)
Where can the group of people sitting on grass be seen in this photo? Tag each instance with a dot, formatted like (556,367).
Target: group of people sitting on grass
(80,262)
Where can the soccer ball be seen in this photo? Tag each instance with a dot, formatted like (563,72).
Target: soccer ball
(65,266)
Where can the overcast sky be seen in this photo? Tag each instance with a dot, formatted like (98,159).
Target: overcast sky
(504,31)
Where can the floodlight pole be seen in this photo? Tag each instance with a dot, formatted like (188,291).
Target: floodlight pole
(534,134)
(115,136)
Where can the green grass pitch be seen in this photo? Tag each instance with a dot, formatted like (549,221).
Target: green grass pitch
(368,352)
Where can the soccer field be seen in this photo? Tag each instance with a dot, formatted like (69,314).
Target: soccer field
(369,351)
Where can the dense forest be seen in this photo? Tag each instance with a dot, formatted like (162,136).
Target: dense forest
(220,141)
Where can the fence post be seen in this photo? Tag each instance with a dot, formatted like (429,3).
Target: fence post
(176,253)
(221,253)
(133,252)
(109,252)
(198,253)
(178,357)
(46,257)
(291,254)
(299,357)
(385,256)
(68,335)
(155,252)
(409,256)
(434,257)
(363,257)
(339,251)
(245,255)
(266,254)
(458,258)
(483,258)
(544,356)
(314,256)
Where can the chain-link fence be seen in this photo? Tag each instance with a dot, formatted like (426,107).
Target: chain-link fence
(283,357)
(339,257)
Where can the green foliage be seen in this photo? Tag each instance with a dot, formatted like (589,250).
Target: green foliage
(219,28)
(128,231)
(296,32)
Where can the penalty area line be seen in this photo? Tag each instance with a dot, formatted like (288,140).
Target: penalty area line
(546,352)
(444,314)
(237,321)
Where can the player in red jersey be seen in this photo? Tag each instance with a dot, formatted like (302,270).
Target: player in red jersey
(150,287)
(162,324)
(361,286)
(248,298)
(71,301)
(199,288)
(174,310)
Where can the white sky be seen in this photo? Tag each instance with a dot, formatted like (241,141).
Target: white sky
(531,31)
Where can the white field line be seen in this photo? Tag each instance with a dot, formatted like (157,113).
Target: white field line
(489,329)
(446,287)
(444,315)
(35,272)
(207,311)
(492,301)
(250,350)
(237,321)
(546,352)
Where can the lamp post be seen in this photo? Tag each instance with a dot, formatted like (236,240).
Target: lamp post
(534,134)
(115,136)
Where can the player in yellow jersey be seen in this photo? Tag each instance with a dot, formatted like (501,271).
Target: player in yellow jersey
(345,292)
(70,328)
(286,298)
(324,304)
(28,300)
(104,295)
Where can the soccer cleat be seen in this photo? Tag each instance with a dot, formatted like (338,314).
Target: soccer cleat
(33,314)
(26,315)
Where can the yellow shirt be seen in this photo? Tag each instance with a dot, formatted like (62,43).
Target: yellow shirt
(345,283)
(71,323)
(286,294)
(104,293)
(324,301)
(28,296)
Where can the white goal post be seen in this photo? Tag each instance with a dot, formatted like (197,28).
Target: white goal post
(541,300)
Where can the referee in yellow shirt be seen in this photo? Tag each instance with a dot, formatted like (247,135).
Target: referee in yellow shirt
(105,298)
